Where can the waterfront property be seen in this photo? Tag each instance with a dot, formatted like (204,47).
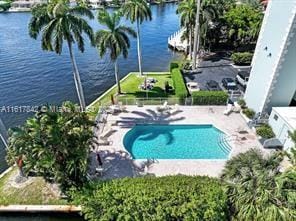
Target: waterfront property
(272,81)
(272,84)
(120,163)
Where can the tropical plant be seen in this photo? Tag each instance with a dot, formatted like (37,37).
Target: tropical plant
(250,113)
(5,5)
(265,131)
(256,189)
(244,23)
(59,21)
(137,11)
(153,198)
(113,39)
(187,11)
(54,144)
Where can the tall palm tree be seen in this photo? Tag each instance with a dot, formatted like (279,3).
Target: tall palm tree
(137,11)
(113,39)
(187,11)
(59,22)
(206,12)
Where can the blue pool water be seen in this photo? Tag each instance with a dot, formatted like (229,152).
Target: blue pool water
(176,142)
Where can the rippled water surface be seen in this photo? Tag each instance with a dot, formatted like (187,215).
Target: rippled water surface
(30,76)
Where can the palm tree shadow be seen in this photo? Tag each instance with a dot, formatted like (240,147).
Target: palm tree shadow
(152,117)
(119,164)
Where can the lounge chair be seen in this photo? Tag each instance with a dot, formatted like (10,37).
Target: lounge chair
(175,109)
(236,107)
(228,109)
(107,132)
(164,107)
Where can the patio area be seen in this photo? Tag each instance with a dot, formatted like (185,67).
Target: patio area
(118,163)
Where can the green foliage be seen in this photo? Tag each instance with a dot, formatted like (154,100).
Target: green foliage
(257,190)
(242,103)
(209,97)
(115,37)
(154,198)
(244,23)
(137,11)
(55,144)
(5,6)
(173,65)
(242,58)
(265,131)
(58,22)
(179,84)
(250,113)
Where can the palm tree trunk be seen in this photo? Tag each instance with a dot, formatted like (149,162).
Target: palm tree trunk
(190,44)
(196,34)
(77,80)
(139,48)
(117,77)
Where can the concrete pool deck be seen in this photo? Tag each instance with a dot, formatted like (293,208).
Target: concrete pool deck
(118,162)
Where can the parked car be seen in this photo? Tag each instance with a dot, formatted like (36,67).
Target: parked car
(229,84)
(213,86)
(242,78)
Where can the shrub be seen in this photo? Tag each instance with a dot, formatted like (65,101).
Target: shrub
(179,84)
(250,113)
(209,97)
(173,65)
(242,58)
(154,198)
(242,103)
(265,131)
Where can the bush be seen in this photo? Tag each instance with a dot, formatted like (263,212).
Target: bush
(265,131)
(242,58)
(209,97)
(154,198)
(249,113)
(173,65)
(179,84)
(242,103)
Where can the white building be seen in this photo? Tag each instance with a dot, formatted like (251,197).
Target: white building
(272,80)
(282,120)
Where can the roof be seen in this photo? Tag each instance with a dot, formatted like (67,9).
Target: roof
(288,114)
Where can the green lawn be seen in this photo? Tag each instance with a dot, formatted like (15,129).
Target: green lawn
(130,89)
(33,192)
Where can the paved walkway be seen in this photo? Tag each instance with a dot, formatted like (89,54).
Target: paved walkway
(118,160)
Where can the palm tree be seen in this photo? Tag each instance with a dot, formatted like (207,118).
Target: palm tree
(113,39)
(206,13)
(137,11)
(187,11)
(255,188)
(59,22)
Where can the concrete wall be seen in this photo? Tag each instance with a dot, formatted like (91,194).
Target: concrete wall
(268,51)
(281,128)
(285,86)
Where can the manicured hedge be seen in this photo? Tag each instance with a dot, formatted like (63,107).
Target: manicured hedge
(209,97)
(173,65)
(242,58)
(179,84)
(154,198)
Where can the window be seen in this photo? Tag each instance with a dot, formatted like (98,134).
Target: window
(275,117)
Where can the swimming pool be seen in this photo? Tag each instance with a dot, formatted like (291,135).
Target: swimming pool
(176,142)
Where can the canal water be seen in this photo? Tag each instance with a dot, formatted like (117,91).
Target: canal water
(30,76)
